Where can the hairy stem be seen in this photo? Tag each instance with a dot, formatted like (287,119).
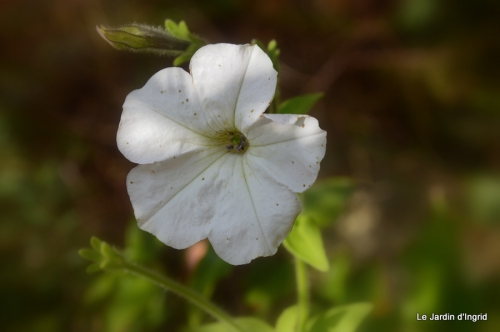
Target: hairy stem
(184,292)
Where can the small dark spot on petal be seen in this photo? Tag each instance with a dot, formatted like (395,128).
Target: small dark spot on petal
(194,113)
(303,125)
(131,181)
(251,111)
(182,103)
(293,162)
(180,90)
(277,204)
(317,162)
(202,179)
(153,172)
(304,185)
(187,100)
(127,142)
(257,238)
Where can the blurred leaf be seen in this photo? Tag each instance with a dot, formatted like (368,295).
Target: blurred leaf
(287,321)
(335,287)
(299,105)
(93,268)
(304,241)
(95,243)
(140,246)
(341,319)
(90,255)
(249,324)
(484,198)
(326,200)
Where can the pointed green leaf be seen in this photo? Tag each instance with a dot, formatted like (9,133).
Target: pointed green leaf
(304,241)
(172,27)
(248,324)
(341,319)
(184,30)
(287,321)
(300,104)
(182,58)
(90,255)
(95,242)
(93,268)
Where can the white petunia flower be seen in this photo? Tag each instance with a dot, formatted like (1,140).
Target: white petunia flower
(213,165)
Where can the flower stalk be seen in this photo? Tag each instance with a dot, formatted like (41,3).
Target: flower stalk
(107,258)
(302,293)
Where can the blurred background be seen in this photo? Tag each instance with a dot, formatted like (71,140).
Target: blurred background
(412,110)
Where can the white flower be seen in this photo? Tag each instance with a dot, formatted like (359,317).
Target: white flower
(212,164)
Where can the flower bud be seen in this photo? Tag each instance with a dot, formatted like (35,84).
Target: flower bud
(143,38)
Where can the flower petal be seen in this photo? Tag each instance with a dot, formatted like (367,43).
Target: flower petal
(245,214)
(255,214)
(175,199)
(235,83)
(288,147)
(163,119)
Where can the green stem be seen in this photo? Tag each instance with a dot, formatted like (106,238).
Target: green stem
(302,293)
(184,292)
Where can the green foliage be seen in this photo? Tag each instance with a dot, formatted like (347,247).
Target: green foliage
(248,324)
(182,32)
(304,241)
(484,198)
(299,105)
(340,319)
(271,50)
(288,320)
(326,200)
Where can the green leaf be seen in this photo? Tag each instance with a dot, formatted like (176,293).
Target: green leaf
(299,105)
(304,241)
(172,27)
(248,324)
(287,321)
(341,319)
(93,268)
(271,47)
(182,58)
(90,255)
(326,200)
(95,243)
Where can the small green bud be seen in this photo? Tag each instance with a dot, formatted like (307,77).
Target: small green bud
(143,38)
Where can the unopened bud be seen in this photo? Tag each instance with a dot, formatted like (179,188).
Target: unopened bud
(143,38)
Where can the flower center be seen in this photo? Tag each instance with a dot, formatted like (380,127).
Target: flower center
(237,142)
